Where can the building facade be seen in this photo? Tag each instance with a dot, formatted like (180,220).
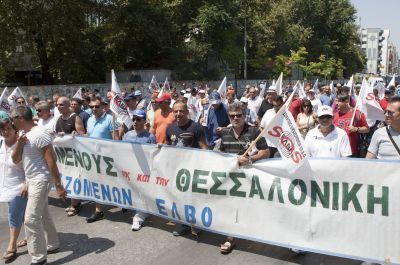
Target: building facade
(375,43)
(393,60)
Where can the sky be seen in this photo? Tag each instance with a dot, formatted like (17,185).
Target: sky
(382,14)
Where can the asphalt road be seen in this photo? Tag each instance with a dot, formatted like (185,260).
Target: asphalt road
(111,241)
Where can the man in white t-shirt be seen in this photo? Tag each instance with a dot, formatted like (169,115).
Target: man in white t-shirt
(254,101)
(34,148)
(46,120)
(327,140)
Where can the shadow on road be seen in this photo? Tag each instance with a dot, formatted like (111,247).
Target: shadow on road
(81,245)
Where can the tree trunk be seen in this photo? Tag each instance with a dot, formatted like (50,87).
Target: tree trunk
(47,78)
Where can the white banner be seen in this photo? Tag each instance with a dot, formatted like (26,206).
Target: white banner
(341,207)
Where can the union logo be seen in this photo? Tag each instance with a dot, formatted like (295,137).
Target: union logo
(286,144)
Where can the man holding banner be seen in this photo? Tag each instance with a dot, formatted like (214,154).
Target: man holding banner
(236,140)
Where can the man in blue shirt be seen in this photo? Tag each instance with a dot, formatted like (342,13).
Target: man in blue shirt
(141,136)
(100,125)
(216,117)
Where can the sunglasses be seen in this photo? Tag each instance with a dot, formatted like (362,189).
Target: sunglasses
(306,106)
(137,119)
(237,115)
(95,106)
(325,117)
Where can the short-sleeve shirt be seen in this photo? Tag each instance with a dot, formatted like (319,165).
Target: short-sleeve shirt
(34,164)
(161,123)
(335,144)
(233,145)
(382,147)
(101,127)
(187,135)
(140,138)
(266,119)
(265,105)
(343,122)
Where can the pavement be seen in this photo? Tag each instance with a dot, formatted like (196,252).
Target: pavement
(111,241)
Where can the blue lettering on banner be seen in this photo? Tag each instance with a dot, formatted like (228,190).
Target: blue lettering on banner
(101,192)
(189,212)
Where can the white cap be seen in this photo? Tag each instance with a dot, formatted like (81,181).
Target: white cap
(325,110)
(244,100)
(271,89)
(187,95)
(202,91)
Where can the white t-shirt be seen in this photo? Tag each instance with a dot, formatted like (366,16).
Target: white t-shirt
(49,124)
(382,146)
(254,104)
(335,144)
(266,119)
(316,103)
(32,157)
(12,175)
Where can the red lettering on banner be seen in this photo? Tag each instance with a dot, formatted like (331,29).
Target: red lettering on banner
(370,96)
(162,181)
(143,178)
(126,174)
(297,157)
(276,131)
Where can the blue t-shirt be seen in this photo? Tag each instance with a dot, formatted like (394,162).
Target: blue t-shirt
(216,118)
(326,100)
(102,127)
(84,117)
(142,138)
(87,110)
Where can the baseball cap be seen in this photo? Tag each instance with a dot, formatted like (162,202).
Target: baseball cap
(138,93)
(325,110)
(271,89)
(244,100)
(139,113)
(202,91)
(130,96)
(164,97)
(215,98)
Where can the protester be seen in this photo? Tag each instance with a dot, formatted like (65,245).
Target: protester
(267,102)
(46,120)
(327,140)
(254,100)
(295,105)
(251,117)
(385,100)
(100,125)
(326,97)
(85,105)
(34,148)
(305,119)
(215,117)
(316,103)
(68,122)
(76,106)
(13,189)
(235,140)
(163,117)
(277,103)
(139,135)
(22,102)
(55,111)
(385,142)
(343,118)
(185,133)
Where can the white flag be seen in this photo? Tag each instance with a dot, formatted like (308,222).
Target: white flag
(368,104)
(78,94)
(222,88)
(350,84)
(153,86)
(4,104)
(392,82)
(381,89)
(332,88)
(278,85)
(302,93)
(166,85)
(283,133)
(14,95)
(114,83)
(161,92)
(295,88)
(315,88)
(118,107)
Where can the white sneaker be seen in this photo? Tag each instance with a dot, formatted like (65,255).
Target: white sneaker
(137,222)
(298,251)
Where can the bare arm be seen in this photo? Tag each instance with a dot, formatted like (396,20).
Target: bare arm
(48,155)
(16,155)
(370,155)
(80,129)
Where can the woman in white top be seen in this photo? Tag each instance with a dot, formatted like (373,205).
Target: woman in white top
(13,189)
(305,119)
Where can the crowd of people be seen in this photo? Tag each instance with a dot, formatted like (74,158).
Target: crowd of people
(195,118)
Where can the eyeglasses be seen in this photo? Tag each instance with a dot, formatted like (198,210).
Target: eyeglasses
(20,102)
(137,119)
(236,115)
(95,106)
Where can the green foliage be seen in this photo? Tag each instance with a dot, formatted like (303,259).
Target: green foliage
(195,39)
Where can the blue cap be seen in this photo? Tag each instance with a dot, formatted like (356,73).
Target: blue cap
(139,113)
(130,96)
(215,98)
(138,93)
(290,90)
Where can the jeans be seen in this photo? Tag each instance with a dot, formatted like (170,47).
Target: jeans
(16,211)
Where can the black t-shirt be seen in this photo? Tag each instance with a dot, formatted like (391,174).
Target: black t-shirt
(187,135)
(265,105)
